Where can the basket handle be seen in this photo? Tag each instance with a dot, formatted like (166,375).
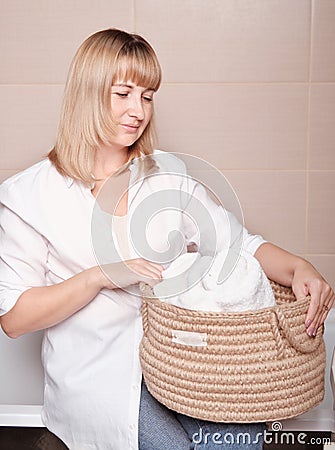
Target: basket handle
(308,346)
(145,324)
(145,289)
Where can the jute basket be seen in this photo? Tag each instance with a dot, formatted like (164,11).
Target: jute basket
(254,366)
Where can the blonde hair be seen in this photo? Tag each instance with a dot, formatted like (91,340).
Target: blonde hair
(86,120)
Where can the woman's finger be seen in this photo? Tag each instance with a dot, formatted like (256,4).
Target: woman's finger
(145,268)
(324,298)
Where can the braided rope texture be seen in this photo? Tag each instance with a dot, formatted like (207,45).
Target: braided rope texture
(255,366)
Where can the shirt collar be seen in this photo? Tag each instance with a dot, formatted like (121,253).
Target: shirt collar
(70,181)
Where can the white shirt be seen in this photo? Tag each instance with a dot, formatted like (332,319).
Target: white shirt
(91,363)
(120,227)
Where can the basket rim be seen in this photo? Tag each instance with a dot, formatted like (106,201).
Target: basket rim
(152,300)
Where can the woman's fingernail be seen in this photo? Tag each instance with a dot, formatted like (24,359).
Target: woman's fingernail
(315,331)
(308,323)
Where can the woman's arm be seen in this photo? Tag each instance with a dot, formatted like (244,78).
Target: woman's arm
(42,307)
(291,270)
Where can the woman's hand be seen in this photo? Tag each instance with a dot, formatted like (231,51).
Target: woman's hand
(291,270)
(131,271)
(307,281)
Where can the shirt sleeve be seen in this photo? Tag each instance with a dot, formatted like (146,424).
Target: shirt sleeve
(23,258)
(250,242)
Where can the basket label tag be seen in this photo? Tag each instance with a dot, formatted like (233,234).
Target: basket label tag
(190,338)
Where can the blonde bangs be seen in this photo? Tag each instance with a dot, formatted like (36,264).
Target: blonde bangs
(138,64)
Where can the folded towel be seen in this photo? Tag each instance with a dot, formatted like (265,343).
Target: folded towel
(193,281)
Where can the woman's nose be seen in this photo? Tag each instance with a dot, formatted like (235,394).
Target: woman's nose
(136,108)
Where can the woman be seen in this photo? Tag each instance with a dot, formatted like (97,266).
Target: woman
(50,278)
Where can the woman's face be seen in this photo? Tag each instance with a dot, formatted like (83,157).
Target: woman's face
(132,108)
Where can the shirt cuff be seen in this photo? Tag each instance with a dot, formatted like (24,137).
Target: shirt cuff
(8,299)
(253,243)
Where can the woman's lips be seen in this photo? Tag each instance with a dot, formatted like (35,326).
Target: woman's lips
(130,128)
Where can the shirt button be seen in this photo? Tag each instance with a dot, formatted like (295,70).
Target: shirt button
(132,427)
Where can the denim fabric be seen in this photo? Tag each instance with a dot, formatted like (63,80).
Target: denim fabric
(159,429)
(162,429)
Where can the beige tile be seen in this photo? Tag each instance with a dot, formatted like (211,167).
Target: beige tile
(225,40)
(321,213)
(325,264)
(236,127)
(273,204)
(28,123)
(38,39)
(323,43)
(322,130)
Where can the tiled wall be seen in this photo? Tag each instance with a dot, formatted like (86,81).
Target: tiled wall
(248,85)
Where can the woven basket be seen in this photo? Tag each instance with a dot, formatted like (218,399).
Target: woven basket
(254,366)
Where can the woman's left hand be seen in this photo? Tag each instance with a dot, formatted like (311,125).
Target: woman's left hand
(308,281)
(291,270)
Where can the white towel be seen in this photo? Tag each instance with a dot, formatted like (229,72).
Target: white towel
(184,284)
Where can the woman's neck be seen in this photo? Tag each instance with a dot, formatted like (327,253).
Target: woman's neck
(108,160)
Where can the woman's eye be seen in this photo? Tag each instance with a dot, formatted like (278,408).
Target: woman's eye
(148,99)
(121,94)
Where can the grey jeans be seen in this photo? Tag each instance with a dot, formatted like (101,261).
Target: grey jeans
(162,429)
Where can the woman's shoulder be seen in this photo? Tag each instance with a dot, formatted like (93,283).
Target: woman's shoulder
(170,161)
(25,184)
(28,175)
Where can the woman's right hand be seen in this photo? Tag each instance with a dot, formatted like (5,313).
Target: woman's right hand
(131,271)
